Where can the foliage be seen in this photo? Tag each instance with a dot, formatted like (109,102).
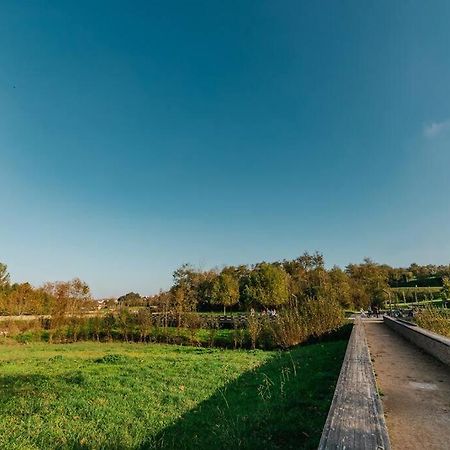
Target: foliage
(130,299)
(340,287)
(322,316)
(416,275)
(414,295)
(190,288)
(254,327)
(225,290)
(292,325)
(237,288)
(22,298)
(369,283)
(267,286)
(314,318)
(435,320)
(289,327)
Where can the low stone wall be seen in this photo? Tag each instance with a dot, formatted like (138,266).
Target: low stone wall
(432,343)
(355,420)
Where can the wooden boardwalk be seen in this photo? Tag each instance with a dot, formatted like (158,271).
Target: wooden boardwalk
(355,420)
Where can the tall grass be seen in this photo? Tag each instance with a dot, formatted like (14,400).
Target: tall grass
(435,320)
(292,325)
(313,318)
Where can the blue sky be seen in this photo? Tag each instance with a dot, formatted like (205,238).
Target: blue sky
(135,137)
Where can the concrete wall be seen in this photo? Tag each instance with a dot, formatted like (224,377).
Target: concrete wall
(432,343)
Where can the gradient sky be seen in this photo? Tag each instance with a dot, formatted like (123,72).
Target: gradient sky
(135,136)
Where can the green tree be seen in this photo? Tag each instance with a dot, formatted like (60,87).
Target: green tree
(21,299)
(369,282)
(268,285)
(225,290)
(191,288)
(130,299)
(308,276)
(339,289)
(69,296)
(185,286)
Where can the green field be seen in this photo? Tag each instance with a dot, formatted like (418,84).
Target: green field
(136,396)
(436,303)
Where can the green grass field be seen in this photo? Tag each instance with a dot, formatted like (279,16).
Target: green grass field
(437,303)
(136,396)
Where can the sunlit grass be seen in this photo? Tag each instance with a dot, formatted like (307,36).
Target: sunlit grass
(97,395)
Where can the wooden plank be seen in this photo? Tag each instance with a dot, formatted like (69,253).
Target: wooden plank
(356,420)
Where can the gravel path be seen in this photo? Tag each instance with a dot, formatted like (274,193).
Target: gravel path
(415,391)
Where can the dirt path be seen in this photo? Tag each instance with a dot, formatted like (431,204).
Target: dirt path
(415,391)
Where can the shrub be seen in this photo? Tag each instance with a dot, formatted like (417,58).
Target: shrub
(289,327)
(112,358)
(322,316)
(293,325)
(25,338)
(192,322)
(238,334)
(434,320)
(254,327)
(212,324)
(313,318)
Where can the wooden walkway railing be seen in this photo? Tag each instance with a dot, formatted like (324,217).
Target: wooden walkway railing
(356,420)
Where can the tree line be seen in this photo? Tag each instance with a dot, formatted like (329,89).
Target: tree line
(59,298)
(260,286)
(270,285)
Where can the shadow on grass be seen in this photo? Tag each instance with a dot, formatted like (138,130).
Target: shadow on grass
(282,404)
(34,386)
(26,384)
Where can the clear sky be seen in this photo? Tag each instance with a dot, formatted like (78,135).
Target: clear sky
(135,136)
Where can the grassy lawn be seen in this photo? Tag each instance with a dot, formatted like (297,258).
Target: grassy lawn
(137,396)
(438,302)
